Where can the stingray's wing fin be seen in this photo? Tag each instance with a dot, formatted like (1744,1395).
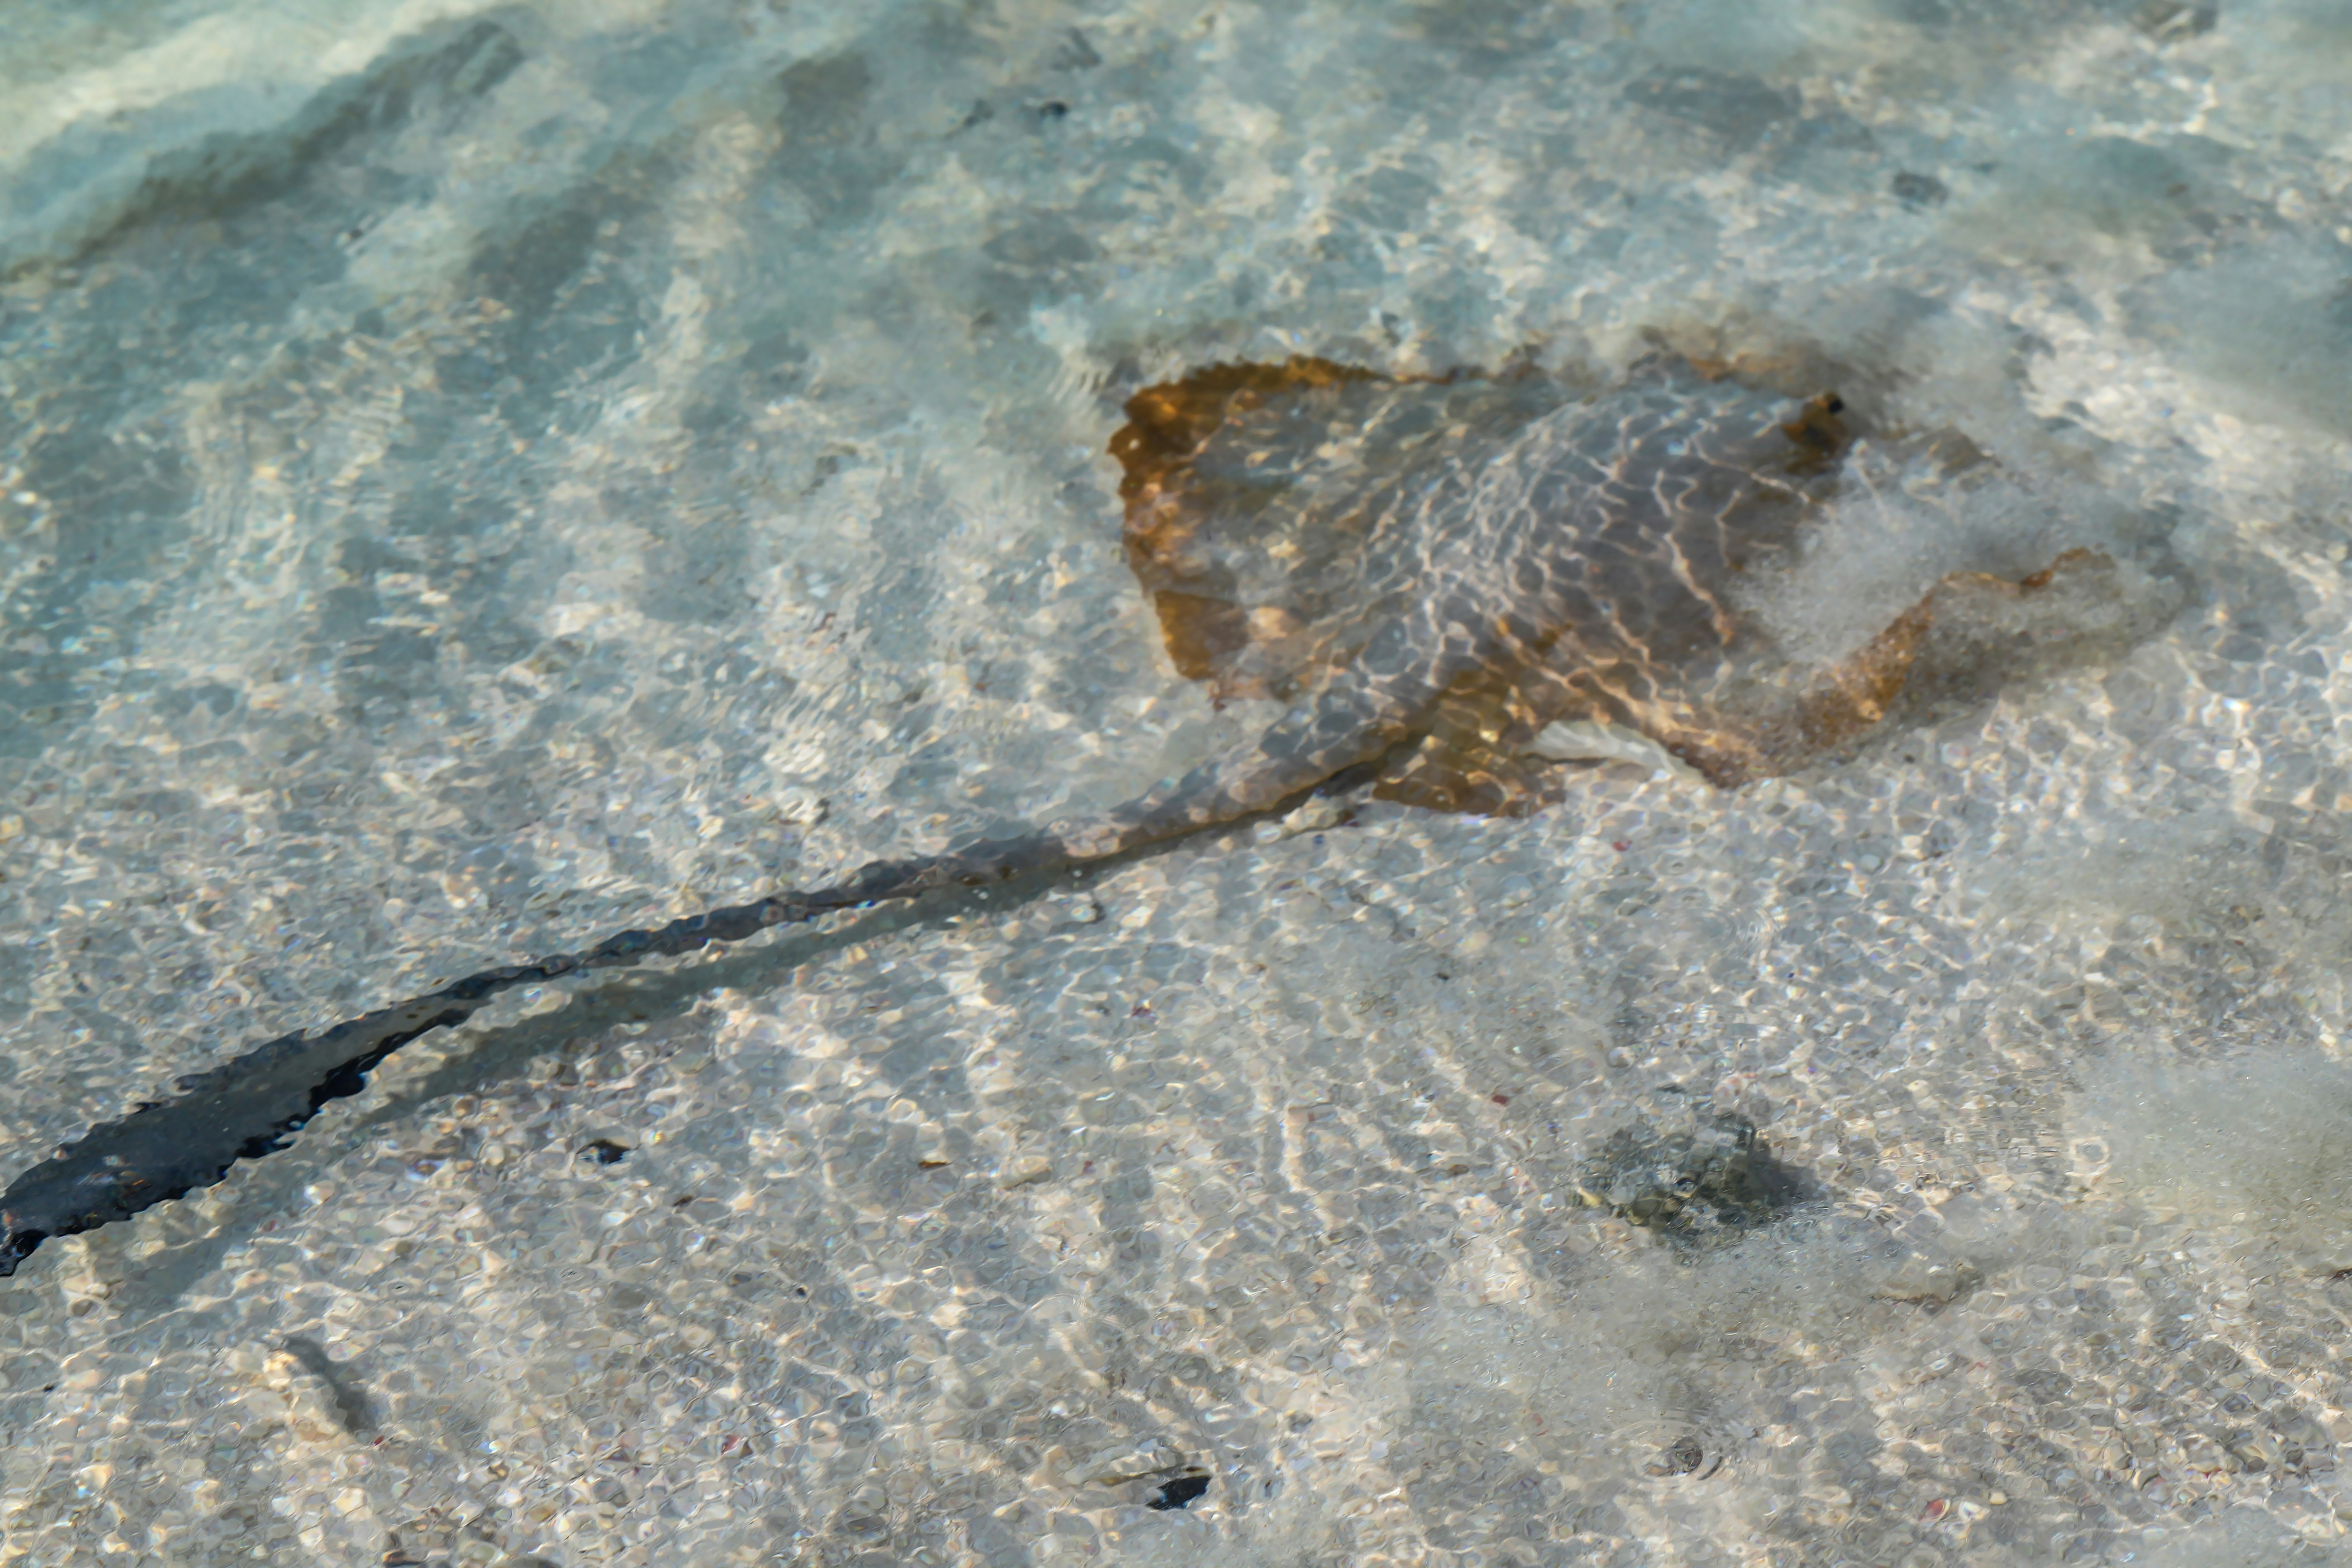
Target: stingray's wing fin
(1268,507)
(1775,721)
(1771,716)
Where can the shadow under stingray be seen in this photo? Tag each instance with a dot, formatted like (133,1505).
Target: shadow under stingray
(499,1054)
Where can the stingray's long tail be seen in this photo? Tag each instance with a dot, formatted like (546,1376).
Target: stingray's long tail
(247,1107)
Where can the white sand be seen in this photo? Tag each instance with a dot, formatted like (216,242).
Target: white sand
(609,462)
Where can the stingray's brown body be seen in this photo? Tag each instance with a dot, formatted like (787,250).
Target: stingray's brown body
(1429,572)
(1461,563)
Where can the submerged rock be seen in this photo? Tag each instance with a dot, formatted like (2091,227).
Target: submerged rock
(1695,1178)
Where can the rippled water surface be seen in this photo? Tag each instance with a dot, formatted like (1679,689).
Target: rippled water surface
(478,478)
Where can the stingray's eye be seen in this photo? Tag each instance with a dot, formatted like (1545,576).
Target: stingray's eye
(1832,403)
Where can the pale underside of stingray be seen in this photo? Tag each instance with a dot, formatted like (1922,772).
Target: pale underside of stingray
(1431,572)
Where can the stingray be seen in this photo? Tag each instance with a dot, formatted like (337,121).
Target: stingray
(1433,574)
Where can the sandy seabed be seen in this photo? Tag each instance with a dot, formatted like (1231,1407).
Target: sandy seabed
(479,478)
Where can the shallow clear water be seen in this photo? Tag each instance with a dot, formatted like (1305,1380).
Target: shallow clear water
(479,478)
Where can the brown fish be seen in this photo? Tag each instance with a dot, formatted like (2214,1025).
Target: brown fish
(1430,572)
